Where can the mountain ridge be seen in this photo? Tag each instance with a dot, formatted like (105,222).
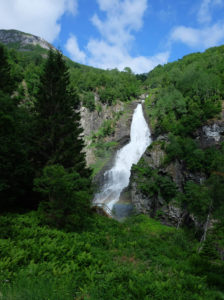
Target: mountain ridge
(21,40)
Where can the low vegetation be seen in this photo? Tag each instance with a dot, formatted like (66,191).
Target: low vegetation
(139,259)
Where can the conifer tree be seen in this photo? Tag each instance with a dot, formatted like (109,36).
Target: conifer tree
(6,81)
(16,171)
(65,182)
(58,121)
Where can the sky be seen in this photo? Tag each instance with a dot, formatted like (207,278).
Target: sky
(109,34)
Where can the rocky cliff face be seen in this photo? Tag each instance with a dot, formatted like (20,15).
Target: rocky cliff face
(8,37)
(211,134)
(156,205)
(120,115)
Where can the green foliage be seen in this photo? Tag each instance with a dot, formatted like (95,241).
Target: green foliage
(106,129)
(6,81)
(153,184)
(40,125)
(58,121)
(139,259)
(16,172)
(197,200)
(111,85)
(209,250)
(103,151)
(66,197)
(66,180)
(89,101)
(186,149)
(189,92)
(183,96)
(204,199)
(32,75)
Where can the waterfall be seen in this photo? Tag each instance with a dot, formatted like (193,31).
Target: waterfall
(117,178)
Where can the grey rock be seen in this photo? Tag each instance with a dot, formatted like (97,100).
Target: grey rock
(211,134)
(24,39)
(92,121)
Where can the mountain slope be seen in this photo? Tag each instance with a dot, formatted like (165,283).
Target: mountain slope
(104,259)
(180,178)
(22,41)
(103,93)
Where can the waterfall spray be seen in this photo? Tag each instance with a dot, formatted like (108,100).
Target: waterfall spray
(117,178)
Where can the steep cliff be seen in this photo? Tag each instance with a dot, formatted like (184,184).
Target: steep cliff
(146,190)
(106,130)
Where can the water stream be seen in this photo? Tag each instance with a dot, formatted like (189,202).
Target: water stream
(117,178)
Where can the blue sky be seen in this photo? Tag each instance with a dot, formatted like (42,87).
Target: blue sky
(120,33)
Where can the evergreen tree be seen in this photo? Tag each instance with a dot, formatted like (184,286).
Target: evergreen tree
(6,82)
(66,198)
(16,171)
(58,121)
(65,182)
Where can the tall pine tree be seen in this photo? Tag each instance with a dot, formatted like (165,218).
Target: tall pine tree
(58,120)
(6,81)
(16,173)
(65,182)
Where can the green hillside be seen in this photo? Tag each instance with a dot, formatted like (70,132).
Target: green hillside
(52,245)
(183,97)
(139,259)
(29,55)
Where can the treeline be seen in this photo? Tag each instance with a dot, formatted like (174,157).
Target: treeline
(184,95)
(108,85)
(41,151)
(40,95)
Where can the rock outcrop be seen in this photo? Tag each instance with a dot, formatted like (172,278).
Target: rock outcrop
(8,37)
(91,121)
(211,134)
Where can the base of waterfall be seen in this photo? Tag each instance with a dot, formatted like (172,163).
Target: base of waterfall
(121,210)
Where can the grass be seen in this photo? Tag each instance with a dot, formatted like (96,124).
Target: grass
(138,259)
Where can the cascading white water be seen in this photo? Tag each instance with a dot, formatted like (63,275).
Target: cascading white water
(117,178)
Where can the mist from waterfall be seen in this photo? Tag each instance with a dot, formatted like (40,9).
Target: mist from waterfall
(117,178)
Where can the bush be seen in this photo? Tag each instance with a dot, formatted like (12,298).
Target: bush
(66,197)
(89,101)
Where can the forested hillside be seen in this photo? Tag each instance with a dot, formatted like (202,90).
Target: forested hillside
(185,110)
(27,57)
(52,245)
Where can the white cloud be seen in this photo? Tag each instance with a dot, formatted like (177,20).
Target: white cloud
(205,11)
(108,56)
(207,34)
(39,17)
(122,19)
(201,38)
(73,48)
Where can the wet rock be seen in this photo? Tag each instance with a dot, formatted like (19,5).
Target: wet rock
(92,121)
